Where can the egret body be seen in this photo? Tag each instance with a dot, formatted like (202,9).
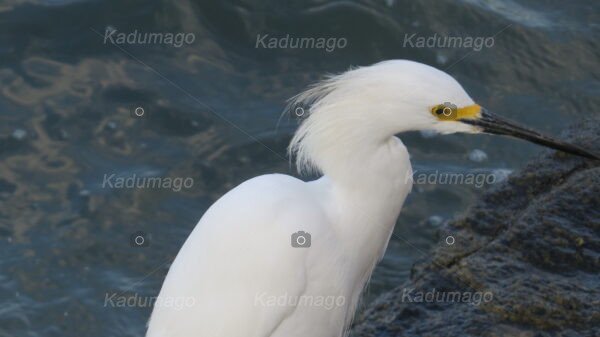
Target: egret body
(239,272)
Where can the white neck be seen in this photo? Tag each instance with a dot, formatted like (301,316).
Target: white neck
(363,202)
(368,186)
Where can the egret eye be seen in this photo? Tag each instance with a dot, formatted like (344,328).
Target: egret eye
(446,111)
(438,110)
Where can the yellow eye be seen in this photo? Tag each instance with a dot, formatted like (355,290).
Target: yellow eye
(446,111)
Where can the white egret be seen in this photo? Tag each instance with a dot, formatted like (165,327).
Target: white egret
(250,269)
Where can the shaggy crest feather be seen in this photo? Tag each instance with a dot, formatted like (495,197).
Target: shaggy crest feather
(315,98)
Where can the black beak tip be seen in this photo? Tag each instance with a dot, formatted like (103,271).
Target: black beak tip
(493,124)
(592,156)
(572,149)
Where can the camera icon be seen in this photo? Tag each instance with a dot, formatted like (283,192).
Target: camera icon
(139,112)
(301,239)
(139,239)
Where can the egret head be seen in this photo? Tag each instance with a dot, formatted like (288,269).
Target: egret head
(371,104)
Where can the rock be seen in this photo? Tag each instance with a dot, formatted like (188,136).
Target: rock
(533,242)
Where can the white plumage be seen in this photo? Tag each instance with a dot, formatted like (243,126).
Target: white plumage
(238,263)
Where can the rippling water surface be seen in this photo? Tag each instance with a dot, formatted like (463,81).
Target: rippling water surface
(211,113)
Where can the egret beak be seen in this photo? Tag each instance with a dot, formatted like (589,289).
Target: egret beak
(494,124)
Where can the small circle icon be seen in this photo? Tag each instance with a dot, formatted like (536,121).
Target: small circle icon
(450,240)
(447,111)
(139,240)
(139,111)
(299,111)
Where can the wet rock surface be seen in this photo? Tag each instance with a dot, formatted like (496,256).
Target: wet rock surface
(533,242)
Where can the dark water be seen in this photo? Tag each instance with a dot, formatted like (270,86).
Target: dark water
(211,110)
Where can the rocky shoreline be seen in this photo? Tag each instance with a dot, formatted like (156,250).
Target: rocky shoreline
(532,242)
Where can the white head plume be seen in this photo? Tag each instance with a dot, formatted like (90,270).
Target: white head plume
(347,113)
